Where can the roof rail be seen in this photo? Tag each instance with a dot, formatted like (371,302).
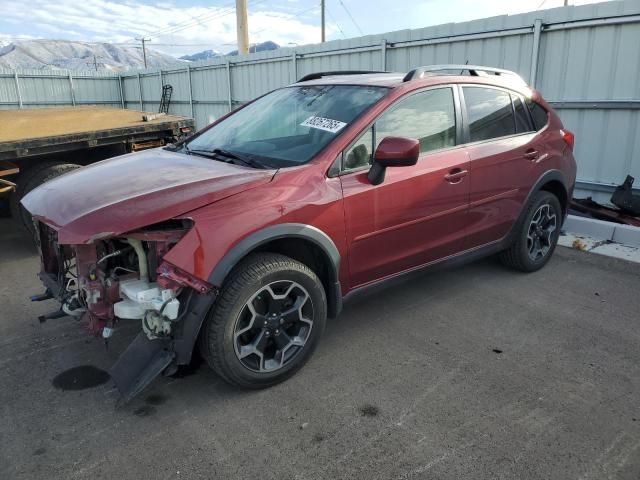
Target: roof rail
(317,75)
(474,70)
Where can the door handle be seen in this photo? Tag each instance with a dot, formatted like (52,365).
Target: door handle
(456,175)
(531,154)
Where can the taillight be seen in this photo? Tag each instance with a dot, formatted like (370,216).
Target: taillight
(568,137)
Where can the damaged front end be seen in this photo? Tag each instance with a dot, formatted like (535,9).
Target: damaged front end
(125,278)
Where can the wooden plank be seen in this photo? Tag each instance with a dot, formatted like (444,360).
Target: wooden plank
(6,186)
(7,168)
(26,124)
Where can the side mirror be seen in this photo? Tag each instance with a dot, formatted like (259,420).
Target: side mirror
(393,152)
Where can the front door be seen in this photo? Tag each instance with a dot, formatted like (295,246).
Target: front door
(419,213)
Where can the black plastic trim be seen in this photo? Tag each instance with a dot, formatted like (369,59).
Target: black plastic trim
(548,176)
(318,75)
(285,230)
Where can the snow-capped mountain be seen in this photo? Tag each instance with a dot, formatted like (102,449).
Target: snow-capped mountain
(204,55)
(63,54)
(259,47)
(209,54)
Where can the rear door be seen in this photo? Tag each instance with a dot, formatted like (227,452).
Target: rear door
(502,152)
(418,214)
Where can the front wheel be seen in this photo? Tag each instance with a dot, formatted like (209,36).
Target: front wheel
(536,235)
(266,322)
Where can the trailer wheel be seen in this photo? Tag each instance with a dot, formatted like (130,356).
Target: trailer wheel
(43,175)
(21,180)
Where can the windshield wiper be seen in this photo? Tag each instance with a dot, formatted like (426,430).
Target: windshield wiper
(227,157)
(242,159)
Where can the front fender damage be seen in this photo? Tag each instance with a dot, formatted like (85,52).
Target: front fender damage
(145,359)
(125,279)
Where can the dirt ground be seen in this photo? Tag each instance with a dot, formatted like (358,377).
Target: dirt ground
(472,373)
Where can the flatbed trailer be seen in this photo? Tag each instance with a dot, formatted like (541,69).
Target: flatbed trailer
(37,145)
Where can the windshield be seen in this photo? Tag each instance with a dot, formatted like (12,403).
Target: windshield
(288,127)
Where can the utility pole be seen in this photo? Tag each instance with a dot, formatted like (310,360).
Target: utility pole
(242,27)
(95,63)
(144,49)
(322,10)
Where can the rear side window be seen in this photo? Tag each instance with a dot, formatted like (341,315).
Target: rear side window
(490,113)
(522,118)
(539,114)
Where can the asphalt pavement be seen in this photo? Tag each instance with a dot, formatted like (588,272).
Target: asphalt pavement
(472,373)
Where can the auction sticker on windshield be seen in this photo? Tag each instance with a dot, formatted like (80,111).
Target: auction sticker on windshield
(321,123)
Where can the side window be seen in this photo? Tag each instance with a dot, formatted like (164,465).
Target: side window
(522,118)
(490,113)
(427,116)
(359,154)
(539,114)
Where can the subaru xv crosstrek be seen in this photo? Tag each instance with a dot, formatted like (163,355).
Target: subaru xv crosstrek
(246,237)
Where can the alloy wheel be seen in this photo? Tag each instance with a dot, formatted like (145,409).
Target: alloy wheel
(273,326)
(541,232)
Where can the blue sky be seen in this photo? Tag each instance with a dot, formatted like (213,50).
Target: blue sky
(187,26)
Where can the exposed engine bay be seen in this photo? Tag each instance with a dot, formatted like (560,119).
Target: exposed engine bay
(120,278)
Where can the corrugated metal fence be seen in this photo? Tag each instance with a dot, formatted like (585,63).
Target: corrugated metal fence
(584,59)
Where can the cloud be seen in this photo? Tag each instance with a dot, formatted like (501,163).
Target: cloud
(168,25)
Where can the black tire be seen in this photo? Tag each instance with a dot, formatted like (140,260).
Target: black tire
(43,175)
(218,342)
(4,208)
(21,181)
(519,255)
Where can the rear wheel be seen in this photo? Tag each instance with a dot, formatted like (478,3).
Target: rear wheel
(266,322)
(537,234)
(35,178)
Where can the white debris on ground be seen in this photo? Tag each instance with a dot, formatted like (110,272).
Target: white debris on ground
(601,247)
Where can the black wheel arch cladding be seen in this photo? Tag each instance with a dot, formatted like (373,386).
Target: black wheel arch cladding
(287,231)
(185,340)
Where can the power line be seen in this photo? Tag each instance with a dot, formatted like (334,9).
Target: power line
(351,17)
(336,23)
(192,20)
(288,18)
(222,12)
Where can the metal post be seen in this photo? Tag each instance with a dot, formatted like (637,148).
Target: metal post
(190,91)
(229,85)
(383,55)
(120,80)
(73,94)
(294,66)
(15,76)
(322,22)
(161,87)
(535,51)
(140,92)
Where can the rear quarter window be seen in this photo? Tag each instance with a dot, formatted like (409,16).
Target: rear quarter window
(538,114)
(523,122)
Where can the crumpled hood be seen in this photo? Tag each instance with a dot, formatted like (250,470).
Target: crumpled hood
(129,192)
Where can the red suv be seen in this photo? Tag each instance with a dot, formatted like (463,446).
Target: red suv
(248,235)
